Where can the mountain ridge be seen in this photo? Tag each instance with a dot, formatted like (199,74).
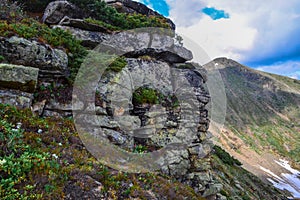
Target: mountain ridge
(262,122)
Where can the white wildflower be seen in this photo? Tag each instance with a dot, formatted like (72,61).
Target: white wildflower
(55,156)
(2,162)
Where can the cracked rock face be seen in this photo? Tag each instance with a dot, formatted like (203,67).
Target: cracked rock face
(17,84)
(53,63)
(149,42)
(157,126)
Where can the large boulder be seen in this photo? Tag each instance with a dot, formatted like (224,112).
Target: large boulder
(18,77)
(53,63)
(57,10)
(128,6)
(148,42)
(17,84)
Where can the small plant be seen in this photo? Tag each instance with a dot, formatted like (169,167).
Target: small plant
(2,58)
(145,95)
(118,64)
(107,16)
(140,149)
(17,161)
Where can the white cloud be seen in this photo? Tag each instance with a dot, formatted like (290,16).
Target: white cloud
(185,12)
(222,37)
(256,30)
(289,68)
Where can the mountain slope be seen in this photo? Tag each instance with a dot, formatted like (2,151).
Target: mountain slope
(262,119)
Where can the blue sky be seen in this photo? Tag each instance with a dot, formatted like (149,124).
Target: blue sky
(261,34)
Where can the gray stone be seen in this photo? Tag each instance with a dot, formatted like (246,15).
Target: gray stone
(51,62)
(127,122)
(213,189)
(89,38)
(38,107)
(114,136)
(148,42)
(54,105)
(83,25)
(175,162)
(57,10)
(18,77)
(16,98)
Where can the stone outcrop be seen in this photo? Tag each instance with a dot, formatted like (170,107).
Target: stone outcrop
(53,63)
(148,42)
(153,60)
(17,84)
(128,124)
(57,10)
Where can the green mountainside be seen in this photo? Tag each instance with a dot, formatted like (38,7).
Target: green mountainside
(263,110)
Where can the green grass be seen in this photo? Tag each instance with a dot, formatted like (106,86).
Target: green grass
(54,161)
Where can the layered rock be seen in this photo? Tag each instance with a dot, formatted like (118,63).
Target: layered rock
(153,60)
(148,42)
(53,63)
(17,85)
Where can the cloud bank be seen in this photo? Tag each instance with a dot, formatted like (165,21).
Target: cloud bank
(260,34)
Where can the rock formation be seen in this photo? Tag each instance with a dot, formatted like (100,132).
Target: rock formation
(173,112)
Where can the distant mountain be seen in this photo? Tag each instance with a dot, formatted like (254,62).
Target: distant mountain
(263,118)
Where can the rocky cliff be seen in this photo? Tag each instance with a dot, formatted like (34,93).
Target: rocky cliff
(149,98)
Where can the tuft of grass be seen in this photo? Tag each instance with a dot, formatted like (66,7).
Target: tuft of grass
(118,64)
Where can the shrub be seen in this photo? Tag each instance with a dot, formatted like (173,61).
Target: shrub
(19,162)
(226,157)
(107,16)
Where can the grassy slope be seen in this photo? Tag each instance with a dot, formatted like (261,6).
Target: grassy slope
(263,109)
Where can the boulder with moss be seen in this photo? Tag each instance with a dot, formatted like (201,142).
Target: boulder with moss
(17,85)
(53,63)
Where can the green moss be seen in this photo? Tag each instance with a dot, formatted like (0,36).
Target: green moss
(19,162)
(145,95)
(60,164)
(118,64)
